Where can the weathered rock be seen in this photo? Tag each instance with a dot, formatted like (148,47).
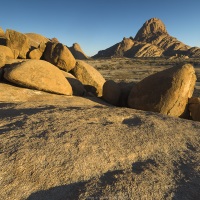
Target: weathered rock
(194,52)
(38,52)
(36,39)
(77,52)
(59,55)
(194,108)
(35,54)
(54,40)
(7,51)
(153,31)
(77,86)
(152,40)
(40,75)
(166,92)
(152,27)
(111,92)
(89,77)
(18,43)
(74,149)
(2,59)
(2,34)
(145,50)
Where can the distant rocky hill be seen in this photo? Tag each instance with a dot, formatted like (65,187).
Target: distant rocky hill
(152,40)
(77,52)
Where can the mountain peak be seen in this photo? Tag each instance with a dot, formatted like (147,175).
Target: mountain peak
(152,27)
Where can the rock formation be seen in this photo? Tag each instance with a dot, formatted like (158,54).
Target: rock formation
(59,55)
(111,92)
(166,92)
(152,40)
(7,51)
(36,39)
(18,43)
(77,86)
(40,75)
(37,52)
(194,108)
(89,77)
(2,59)
(77,52)
(1,32)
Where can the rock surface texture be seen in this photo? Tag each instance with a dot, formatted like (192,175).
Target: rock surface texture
(59,55)
(111,92)
(64,150)
(89,77)
(40,75)
(194,108)
(166,92)
(7,51)
(18,43)
(36,39)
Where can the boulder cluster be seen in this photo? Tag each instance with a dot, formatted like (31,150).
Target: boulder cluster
(152,40)
(36,62)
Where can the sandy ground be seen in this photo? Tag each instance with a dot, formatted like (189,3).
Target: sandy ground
(57,147)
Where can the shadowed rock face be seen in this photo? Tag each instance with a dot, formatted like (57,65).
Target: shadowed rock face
(59,55)
(152,40)
(77,52)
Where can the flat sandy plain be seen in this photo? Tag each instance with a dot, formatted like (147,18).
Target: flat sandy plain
(135,69)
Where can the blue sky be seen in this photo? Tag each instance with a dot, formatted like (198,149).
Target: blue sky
(98,24)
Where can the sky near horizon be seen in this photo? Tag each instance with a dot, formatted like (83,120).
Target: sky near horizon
(99,24)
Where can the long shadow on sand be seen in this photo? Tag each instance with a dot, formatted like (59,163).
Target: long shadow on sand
(11,112)
(72,191)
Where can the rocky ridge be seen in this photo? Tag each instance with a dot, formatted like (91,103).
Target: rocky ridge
(152,40)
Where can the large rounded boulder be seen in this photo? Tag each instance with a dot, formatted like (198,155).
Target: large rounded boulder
(111,92)
(40,75)
(7,51)
(18,43)
(60,56)
(89,77)
(166,92)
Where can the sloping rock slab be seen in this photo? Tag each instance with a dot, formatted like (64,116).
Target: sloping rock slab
(55,151)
